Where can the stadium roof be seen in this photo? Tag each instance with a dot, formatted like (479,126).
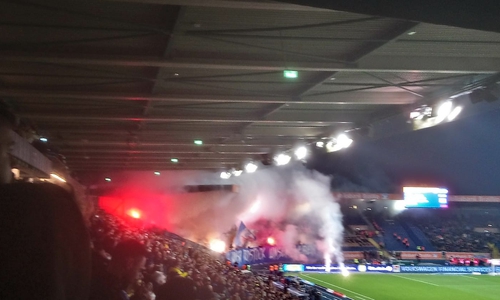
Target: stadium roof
(131,84)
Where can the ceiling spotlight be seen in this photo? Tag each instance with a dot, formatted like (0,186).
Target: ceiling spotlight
(107,179)
(412,32)
(320,144)
(237,172)
(339,143)
(251,167)
(282,159)
(174,160)
(57,177)
(198,142)
(44,139)
(157,173)
(301,153)
(344,141)
(333,146)
(225,175)
(443,111)
(454,113)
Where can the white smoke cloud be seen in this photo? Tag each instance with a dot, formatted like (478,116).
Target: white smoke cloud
(290,203)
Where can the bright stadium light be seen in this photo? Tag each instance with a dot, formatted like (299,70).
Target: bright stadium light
(454,113)
(225,175)
(157,173)
(301,153)
(237,173)
(320,144)
(339,143)
(282,159)
(55,176)
(443,111)
(107,179)
(399,205)
(44,139)
(344,141)
(251,167)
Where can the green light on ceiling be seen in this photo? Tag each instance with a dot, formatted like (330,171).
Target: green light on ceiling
(290,74)
(198,142)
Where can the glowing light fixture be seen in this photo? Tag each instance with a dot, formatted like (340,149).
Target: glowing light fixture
(282,159)
(443,111)
(344,141)
(55,176)
(290,74)
(301,153)
(237,172)
(454,113)
(225,175)
(251,167)
(174,160)
(157,173)
(198,142)
(107,179)
(339,143)
(320,144)
(271,241)
(44,139)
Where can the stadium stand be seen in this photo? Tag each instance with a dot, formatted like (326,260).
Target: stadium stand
(172,257)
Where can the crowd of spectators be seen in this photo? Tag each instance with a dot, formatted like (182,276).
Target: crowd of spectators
(175,268)
(455,235)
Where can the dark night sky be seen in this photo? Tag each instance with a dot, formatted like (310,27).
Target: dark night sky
(463,155)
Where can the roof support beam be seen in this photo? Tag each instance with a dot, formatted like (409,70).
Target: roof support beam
(71,118)
(453,65)
(240,4)
(42,94)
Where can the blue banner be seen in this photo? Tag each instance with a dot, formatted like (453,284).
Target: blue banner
(268,254)
(257,255)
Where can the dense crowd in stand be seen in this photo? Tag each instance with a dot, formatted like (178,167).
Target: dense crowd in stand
(175,268)
(455,235)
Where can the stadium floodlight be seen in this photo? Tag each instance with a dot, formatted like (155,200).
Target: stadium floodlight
(107,179)
(443,111)
(333,146)
(320,144)
(454,113)
(225,175)
(344,141)
(251,167)
(44,139)
(57,177)
(301,153)
(339,143)
(237,173)
(157,173)
(282,159)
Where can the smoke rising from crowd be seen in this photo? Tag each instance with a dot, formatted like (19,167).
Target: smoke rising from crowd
(291,204)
